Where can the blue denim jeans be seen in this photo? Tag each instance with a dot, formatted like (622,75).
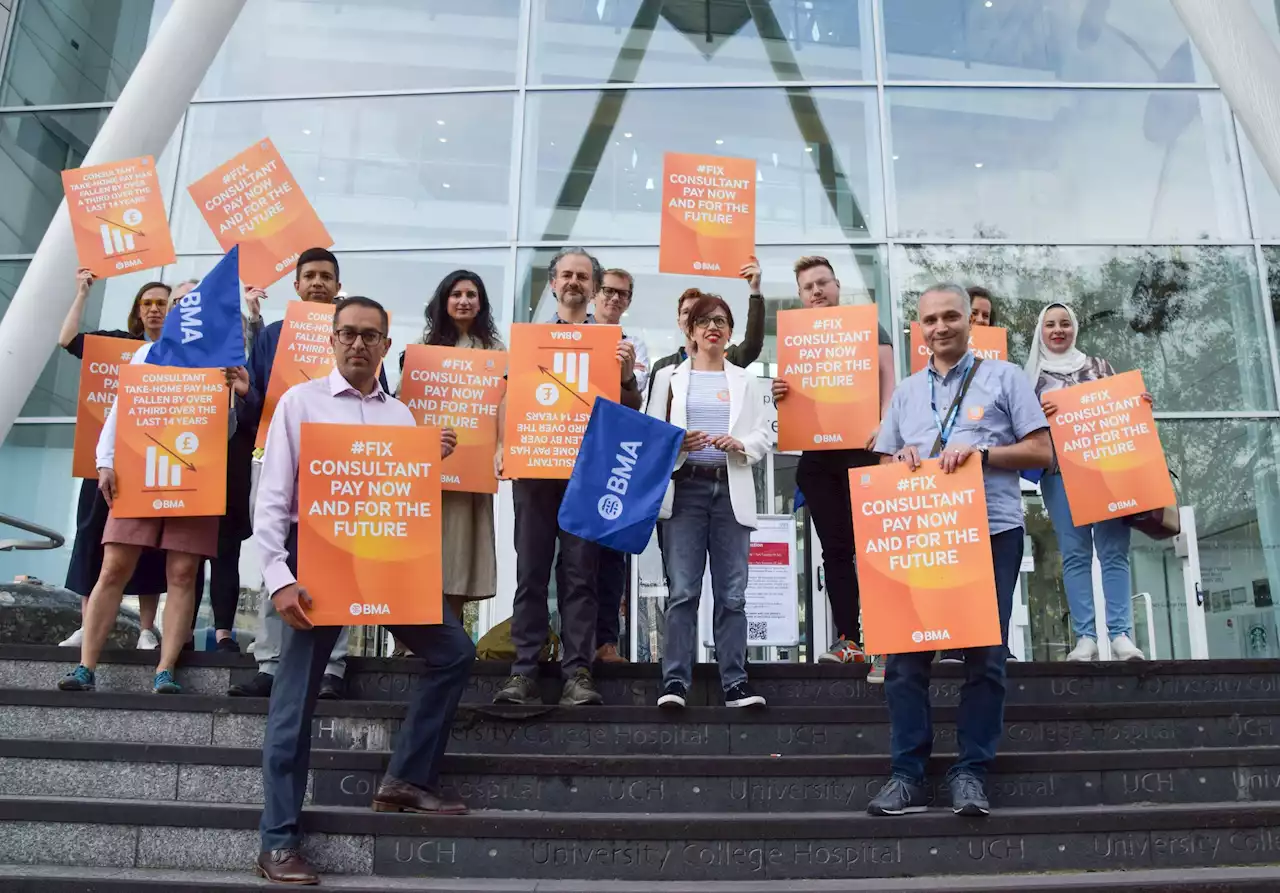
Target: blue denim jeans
(1077,544)
(702,525)
(980,718)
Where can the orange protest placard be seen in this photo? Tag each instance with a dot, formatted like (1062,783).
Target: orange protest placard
(828,357)
(924,558)
(117,217)
(99,382)
(254,202)
(557,372)
(458,388)
(708,214)
(171,442)
(369,524)
(988,342)
(1109,451)
(303,353)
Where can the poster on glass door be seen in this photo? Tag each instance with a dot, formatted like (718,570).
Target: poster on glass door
(773,614)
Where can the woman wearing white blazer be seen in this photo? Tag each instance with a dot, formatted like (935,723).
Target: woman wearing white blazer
(710,509)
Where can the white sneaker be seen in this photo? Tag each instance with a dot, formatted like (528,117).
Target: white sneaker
(1086,650)
(147,641)
(73,640)
(1122,648)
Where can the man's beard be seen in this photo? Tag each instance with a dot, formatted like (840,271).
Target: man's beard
(572,297)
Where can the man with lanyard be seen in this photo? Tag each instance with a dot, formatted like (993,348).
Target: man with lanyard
(612,303)
(574,276)
(823,475)
(742,354)
(960,409)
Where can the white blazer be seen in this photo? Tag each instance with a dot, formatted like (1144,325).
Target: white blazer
(747,422)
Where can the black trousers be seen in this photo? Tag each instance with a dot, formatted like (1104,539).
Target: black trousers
(420,744)
(823,478)
(234,528)
(537,510)
(611,588)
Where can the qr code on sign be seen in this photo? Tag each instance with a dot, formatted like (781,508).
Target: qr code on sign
(757,630)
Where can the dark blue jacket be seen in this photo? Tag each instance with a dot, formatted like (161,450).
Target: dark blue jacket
(261,357)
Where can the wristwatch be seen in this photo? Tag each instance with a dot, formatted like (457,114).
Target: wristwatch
(986,455)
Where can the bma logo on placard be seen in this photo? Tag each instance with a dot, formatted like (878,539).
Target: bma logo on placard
(931,635)
(358,609)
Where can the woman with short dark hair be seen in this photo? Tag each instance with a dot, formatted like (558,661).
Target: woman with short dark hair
(710,509)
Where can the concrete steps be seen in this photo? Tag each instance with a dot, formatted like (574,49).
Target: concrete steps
(385,679)
(688,846)
(55,879)
(638,784)
(1127,777)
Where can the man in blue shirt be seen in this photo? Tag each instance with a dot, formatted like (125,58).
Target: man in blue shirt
(997,421)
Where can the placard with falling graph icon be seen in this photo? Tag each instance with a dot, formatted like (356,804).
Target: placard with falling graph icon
(171,442)
(556,373)
(118,217)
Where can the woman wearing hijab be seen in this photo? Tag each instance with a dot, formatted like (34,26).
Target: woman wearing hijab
(1056,362)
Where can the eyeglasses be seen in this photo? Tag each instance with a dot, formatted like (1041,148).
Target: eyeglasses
(706,322)
(370,337)
(621,294)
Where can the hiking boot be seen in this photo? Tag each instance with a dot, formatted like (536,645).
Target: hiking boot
(580,690)
(519,690)
(608,654)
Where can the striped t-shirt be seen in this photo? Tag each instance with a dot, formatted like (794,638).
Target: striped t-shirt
(708,412)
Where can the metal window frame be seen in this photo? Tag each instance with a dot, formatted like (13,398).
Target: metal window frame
(885,246)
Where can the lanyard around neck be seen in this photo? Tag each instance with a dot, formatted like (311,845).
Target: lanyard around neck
(948,424)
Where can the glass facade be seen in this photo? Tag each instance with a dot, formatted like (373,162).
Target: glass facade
(1046,149)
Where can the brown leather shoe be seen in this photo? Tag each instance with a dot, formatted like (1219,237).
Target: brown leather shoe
(285,867)
(395,795)
(608,654)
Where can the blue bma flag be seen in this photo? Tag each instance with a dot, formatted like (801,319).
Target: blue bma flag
(205,330)
(620,476)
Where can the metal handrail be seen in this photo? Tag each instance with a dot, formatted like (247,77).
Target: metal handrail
(52,539)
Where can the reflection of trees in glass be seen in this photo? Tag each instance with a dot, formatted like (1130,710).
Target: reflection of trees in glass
(1188,318)
(1191,321)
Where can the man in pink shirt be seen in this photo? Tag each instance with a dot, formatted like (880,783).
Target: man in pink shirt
(350,395)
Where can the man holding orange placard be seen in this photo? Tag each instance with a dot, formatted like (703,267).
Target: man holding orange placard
(537,397)
(961,409)
(316,281)
(822,474)
(349,395)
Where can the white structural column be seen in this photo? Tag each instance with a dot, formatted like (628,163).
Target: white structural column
(149,108)
(1245,62)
